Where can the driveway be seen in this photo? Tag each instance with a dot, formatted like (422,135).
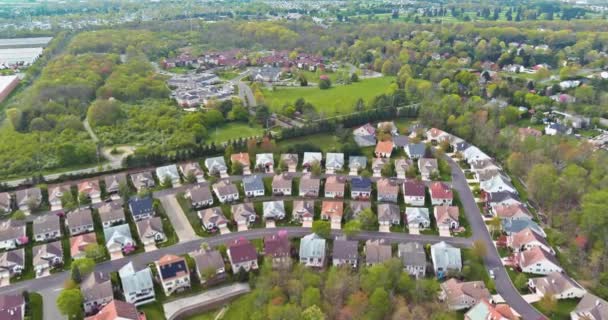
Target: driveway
(270,224)
(5,281)
(444,232)
(242,227)
(306,224)
(414,231)
(49,303)
(178,219)
(384,228)
(150,247)
(116,255)
(336,225)
(224,230)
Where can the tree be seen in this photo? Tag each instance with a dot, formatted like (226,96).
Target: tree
(262,114)
(85,265)
(104,113)
(354,77)
(352,227)
(368,219)
(19,215)
(236,168)
(324,82)
(548,304)
(311,297)
(321,228)
(315,169)
(123,190)
(75,275)
(378,308)
(313,313)
(302,79)
(479,249)
(69,303)
(495,225)
(521,281)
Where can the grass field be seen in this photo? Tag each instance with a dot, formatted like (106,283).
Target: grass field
(336,100)
(233,131)
(562,312)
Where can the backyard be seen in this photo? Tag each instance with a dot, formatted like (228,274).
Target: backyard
(338,99)
(233,130)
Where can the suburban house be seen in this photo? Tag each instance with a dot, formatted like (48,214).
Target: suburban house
(377,251)
(447,217)
(28,199)
(118,238)
(80,221)
(360,188)
(384,149)
(402,165)
(484,310)
(500,198)
(484,167)
(554,128)
(96,289)
(365,135)
(12,263)
(445,258)
(290,161)
(310,158)
(137,284)
(141,207)
(12,234)
(47,227)
(441,194)
(79,243)
(334,186)
(253,186)
(345,252)
(209,265)
(473,154)
(243,160)
(212,218)
(334,162)
(511,211)
(281,184)
(47,256)
(150,231)
(388,190)
(168,173)
(378,164)
(497,183)
(413,258)
(200,196)
(309,186)
(267,74)
(333,211)
(242,254)
(303,211)
(512,226)
(312,251)
(388,215)
(463,295)
(143,180)
(56,193)
(527,239)
(12,306)
(415,150)
(114,181)
(243,214)
(6,202)
(537,261)
(436,136)
(558,285)
(417,218)
(192,170)
(264,162)
(388,127)
(356,164)
(173,273)
(278,249)
(274,210)
(225,191)
(428,167)
(217,166)
(414,193)
(591,307)
(111,213)
(118,310)
(400,141)
(356,207)
(91,190)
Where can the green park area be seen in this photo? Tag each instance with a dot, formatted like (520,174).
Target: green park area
(339,99)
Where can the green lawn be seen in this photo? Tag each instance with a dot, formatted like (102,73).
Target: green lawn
(153,311)
(34,307)
(563,309)
(336,100)
(233,130)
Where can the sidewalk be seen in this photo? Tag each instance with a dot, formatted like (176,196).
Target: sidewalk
(188,306)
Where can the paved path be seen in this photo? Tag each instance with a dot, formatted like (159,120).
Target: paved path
(181,307)
(49,303)
(56,280)
(504,286)
(178,218)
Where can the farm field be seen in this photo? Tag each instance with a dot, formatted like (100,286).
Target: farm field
(336,100)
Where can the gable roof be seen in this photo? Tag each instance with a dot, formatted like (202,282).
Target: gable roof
(414,188)
(332,208)
(359,183)
(277,245)
(427,165)
(46,223)
(23,196)
(309,183)
(402,164)
(444,254)
(401,141)
(45,251)
(312,246)
(134,280)
(555,283)
(335,184)
(215,164)
(416,149)
(387,186)
(264,159)
(511,211)
(345,249)
(12,229)
(167,171)
(96,285)
(242,211)
(593,306)
(117,310)
(114,181)
(440,190)
(303,208)
(443,214)
(241,250)
(484,310)
(290,159)
(56,192)
(207,259)
(142,179)
(388,212)
(110,211)
(79,243)
(357,162)
(385,146)
(225,187)
(376,251)
(191,168)
(274,209)
(412,254)
(310,157)
(140,205)
(526,236)
(282,181)
(358,206)
(536,255)
(120,234)
(253,183)
(200,193)
(148,227)
(11,306)
(11,258)
(334,160)
(212,215)
(516,225)
(79,217)
(172,266)
(415,216)
(455,289)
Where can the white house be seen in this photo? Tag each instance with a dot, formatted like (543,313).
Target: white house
(558,285)
(168,173)
(537,261)
(137,285)
(225,191)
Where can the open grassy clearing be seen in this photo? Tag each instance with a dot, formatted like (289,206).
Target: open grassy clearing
(233,130)
(336,100)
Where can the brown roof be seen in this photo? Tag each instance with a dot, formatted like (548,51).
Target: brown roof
(332,208)
(455,289)
(526,236)
(444,213)
(79,243)
(242,158)
(376,251)
(303,208)
(555,283)
(111,211)
(440,190)
(79,217)
(200,193)
(88,187)
(414,188)
(96,285)
(208,259)
(335,184)
(510,211)
(118,310)
(388,186)
(113,181)
(384,146)
(281,181)
(536,255)
(308,182)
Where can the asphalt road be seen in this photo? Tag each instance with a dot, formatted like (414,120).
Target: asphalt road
(504,286)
